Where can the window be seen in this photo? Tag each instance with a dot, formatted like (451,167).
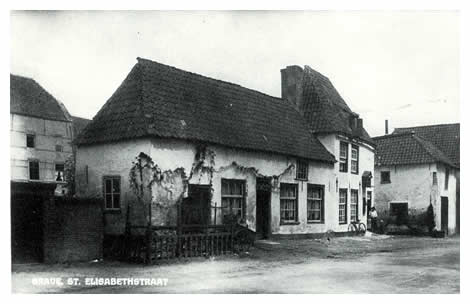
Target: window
(59,148)
(30,140)
(343,199)
(288,203)
(315,203)
(233,197)
(112,192)
(343,157)
(354,159)
(447,179)
(385,177)
(34,169)
(434,178)
(59,173)
(302,169)
(354,205)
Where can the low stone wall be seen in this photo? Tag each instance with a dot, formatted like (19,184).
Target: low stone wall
(73,230)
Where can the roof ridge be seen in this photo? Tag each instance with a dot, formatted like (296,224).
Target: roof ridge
(393,135)
(440,158)
(207,77)
(427,126)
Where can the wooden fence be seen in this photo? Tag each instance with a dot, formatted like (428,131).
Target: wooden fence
(168,242)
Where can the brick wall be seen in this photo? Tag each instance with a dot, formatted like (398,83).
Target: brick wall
(73,230)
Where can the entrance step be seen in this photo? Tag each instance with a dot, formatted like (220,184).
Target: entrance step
(266,244)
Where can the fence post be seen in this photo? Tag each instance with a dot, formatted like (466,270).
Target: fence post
(179,227)
(148,254)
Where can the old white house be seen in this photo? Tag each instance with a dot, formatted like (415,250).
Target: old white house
(417,167)
(223,149)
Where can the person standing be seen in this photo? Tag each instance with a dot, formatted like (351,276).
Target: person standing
(373,219)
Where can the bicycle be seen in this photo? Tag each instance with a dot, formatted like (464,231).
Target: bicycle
(357,228)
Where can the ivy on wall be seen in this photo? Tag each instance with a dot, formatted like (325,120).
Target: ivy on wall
(145,173)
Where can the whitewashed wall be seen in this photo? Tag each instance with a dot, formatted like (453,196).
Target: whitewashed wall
(48,134)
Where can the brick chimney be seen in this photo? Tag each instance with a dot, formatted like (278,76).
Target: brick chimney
(291,84)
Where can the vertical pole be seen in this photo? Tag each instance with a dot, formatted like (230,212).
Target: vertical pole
(179,224)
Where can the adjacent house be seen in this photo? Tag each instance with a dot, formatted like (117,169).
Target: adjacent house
(417,167)
(168,137)
(40,144)
(343,134)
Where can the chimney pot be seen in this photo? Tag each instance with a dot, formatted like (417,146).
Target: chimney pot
(386,127)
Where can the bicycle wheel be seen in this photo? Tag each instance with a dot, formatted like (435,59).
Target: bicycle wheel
(362,228)
(352,228)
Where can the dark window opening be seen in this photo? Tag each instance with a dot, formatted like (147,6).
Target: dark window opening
(30,140)
(59,172)
(302,170)
(385,177)
(59,148)
(343,156)
(434,178)
(34,170)
(447,179)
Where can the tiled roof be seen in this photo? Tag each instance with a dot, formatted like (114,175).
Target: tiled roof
(79,124)
(444,136)
(162,101)
(325,110)
(407,148)
(28,98)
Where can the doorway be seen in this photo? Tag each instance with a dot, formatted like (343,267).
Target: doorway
(444,214)
(263,208)
(196,207)
(400,211)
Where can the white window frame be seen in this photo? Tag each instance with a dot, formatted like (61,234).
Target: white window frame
(230,199)
(311,201)
(343,157)
(288,200)
(354,206)
(343,205)
(115,206)
(355,160)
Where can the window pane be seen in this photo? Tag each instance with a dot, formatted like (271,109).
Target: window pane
(116,185)
(34,170)
(108,185)
(116,201)
(30,141)
(108,201)
(59,172)
(225,187)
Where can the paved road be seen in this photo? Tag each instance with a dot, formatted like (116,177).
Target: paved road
(426,269)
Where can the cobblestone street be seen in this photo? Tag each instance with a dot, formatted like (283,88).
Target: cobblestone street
(375,264)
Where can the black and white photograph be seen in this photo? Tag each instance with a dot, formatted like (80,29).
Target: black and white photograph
(234,151)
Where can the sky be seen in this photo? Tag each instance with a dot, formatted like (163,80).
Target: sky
(400,66)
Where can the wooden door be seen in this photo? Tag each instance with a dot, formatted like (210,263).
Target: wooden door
(263,207)
(444,213)
(196,208)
